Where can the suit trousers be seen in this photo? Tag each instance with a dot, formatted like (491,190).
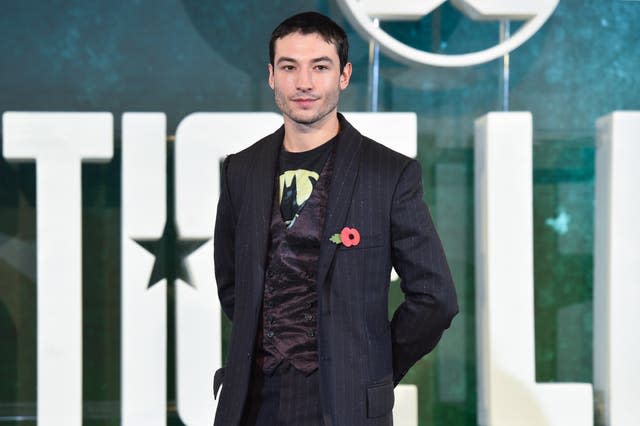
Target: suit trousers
(286,398)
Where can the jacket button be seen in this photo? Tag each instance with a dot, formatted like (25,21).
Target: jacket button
(308,317)
(270,334)
(310,333)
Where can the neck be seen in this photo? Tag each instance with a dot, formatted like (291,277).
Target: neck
(304,137)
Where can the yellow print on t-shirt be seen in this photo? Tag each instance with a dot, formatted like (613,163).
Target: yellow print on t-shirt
(301,181)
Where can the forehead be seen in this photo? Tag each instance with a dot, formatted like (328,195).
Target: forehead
(301,46)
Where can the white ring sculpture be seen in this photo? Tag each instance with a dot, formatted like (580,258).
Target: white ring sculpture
(399,51)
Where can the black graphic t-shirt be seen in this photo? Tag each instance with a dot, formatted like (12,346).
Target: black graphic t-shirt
(298,173)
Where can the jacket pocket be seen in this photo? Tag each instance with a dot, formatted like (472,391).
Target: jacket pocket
(366,241)
(380,399)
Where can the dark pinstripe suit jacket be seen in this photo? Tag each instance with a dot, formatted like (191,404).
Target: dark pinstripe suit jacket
(362,355)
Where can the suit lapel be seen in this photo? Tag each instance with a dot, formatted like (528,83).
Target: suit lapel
(261,183)
(343,182)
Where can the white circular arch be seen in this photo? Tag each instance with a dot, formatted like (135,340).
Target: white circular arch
(397,50)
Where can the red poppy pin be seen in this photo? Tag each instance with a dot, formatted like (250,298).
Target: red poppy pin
(348,237)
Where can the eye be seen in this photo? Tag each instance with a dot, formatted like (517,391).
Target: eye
(287,67)
(321,67)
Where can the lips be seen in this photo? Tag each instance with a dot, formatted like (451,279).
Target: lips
(304,101)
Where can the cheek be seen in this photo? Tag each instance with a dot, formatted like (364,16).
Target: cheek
(283,83)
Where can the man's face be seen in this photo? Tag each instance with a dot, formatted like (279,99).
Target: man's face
(306,78)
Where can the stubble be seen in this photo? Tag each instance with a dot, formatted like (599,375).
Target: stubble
(328,103)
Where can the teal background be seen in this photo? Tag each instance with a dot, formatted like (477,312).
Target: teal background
(180,57)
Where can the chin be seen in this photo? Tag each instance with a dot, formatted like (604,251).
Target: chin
(304,118)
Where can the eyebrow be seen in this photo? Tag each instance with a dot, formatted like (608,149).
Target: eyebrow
(315,60)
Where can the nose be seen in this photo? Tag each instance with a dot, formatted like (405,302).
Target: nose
(305,81)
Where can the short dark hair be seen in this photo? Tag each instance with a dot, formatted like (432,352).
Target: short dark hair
(312,23)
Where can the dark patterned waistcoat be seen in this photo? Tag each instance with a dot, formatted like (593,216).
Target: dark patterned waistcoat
(290,302)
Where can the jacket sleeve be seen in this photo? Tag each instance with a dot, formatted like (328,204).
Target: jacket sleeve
(224,245)
(417,255)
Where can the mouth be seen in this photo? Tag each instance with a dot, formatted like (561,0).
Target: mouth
(304,102)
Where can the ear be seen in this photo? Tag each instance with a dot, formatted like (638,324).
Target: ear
(345,76)
(271,79)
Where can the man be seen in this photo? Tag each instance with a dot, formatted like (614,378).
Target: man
(310,221)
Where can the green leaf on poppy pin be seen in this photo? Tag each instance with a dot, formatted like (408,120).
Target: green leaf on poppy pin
(335,238)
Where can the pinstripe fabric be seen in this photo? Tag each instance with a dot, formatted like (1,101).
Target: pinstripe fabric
(287,398)
(362,355)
